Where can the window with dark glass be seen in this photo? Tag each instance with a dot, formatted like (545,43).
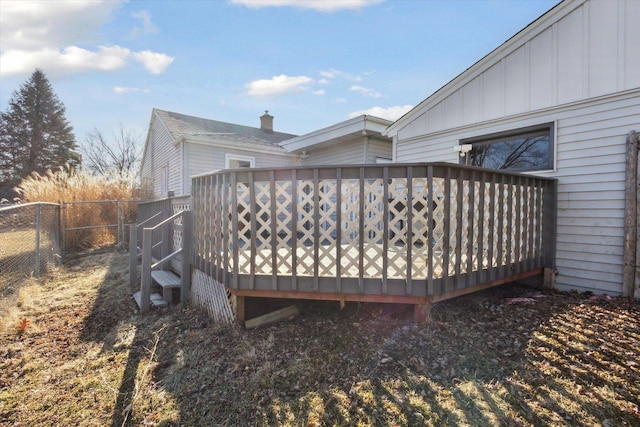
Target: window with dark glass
(527,149)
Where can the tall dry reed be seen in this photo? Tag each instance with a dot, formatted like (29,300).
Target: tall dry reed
(66,186)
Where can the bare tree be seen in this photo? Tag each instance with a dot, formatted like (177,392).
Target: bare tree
(120,154)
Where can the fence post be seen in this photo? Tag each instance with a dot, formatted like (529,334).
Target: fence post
(631,213)
(145,283)
(63,227)
(38,216)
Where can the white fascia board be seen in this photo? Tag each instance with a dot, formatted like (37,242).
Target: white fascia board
(348,127)
(545,21)
(245,147)
(528,118)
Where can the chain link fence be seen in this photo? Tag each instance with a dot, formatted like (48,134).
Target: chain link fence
(96,223)
(29,243)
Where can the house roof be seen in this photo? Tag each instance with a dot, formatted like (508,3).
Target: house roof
(527,33)
(190,127)
(339,133)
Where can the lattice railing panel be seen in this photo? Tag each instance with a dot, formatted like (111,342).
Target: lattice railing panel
(438,226)
(420,228)
(397,254)
(262,206)
(327,249)
(283,227)
(349,262)
(373,227)
(244,225)
(305,229)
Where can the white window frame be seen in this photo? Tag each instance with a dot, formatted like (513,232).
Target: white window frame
(230,157)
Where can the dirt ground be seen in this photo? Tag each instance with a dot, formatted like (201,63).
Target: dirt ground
(74,351)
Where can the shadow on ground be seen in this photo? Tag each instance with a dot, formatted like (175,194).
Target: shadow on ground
(507,356)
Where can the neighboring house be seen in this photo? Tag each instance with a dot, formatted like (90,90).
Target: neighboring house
(355,141)
(180,146)
(557,99)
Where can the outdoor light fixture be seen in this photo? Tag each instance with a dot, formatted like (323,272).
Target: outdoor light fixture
(463,149)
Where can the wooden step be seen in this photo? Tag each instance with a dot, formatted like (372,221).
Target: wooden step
(166,279)
(155,299)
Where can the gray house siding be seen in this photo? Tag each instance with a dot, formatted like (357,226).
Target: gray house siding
(590,159)
(339,154)
(203,158)
(576,67)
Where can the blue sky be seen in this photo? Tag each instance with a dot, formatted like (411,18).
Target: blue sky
(311,63)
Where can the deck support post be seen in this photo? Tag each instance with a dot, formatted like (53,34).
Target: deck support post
(239,308)
(422,312)
(549,278)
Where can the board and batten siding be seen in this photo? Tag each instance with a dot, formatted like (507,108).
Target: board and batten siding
(590,168)
(203,158)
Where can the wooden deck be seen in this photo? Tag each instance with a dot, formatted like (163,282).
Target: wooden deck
(412,233)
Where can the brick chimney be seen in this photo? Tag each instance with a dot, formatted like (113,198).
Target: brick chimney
(266,122)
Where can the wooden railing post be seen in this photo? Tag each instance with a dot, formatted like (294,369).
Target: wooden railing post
(187,235)
(549,231)
(133,254)
(145,283)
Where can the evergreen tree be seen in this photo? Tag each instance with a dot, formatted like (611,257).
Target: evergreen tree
(35,135)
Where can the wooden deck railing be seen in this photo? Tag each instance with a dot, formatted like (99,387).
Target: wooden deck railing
(401,230)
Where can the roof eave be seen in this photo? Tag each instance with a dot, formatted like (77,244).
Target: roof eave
(363,123)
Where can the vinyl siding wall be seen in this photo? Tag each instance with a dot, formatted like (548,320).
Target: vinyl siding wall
(340,154)
(590,167)
(378,148)
(579,69)
(163,153)
(203,158)
(357,151)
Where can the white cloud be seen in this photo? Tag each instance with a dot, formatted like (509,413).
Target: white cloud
(154,62)
(35,25)
(278,85)
(318,5)
(366,91)
(390,113)
(126,89)
(147,27)
(73,59)
(335,74)
(319,92)
(47,35)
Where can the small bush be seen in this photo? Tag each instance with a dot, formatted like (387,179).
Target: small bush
(65,186)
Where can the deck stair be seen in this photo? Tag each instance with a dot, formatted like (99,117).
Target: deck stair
(155,271)
(168,281)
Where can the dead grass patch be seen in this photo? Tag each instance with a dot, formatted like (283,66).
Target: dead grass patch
(85,358)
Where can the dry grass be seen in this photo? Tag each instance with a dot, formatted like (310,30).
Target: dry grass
(85,358)
(69,186)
